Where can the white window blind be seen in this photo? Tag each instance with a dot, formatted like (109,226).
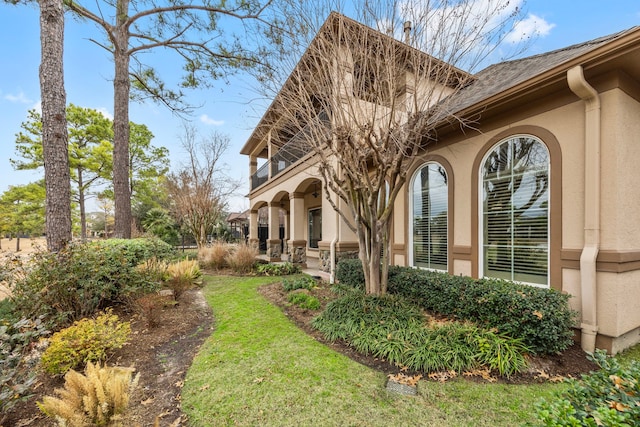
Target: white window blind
(430,217)
(515,211)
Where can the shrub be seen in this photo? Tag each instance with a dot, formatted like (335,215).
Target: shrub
(349,272)
(540,317)
(303,282)
(17,375)
(214,257)
(135,251)
(284,269)
(609,396)
(391,328)
(87,340)
(96,398)
(242,258)
(83,278)
(183,275)
(149,307)
(304,300)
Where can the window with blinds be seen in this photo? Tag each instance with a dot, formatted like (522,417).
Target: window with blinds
(429,217)
(515,211)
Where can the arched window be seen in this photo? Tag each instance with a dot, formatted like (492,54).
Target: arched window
(514,210)
(429,218)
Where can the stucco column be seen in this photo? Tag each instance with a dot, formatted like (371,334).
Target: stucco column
(273,243)
(286,232)
(297,222)
(269,153)
(253,168)
(253,229)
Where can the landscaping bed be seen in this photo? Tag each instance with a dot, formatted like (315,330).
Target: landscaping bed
(161,355)
(569,364)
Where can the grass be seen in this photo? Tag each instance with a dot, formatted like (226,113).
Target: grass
(258,368)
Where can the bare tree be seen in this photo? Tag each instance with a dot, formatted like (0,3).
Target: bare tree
(199,190)
(54,126)
(368,101)
(194,31)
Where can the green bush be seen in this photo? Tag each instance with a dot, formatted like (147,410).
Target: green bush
(284,269)
(349,272)
(302,282)
(540,317)
(83,278)
(17,374)
(607,397)
(87,340)
(135,251)
(304,300)
(391,328)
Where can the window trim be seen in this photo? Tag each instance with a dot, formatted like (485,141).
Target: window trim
(480,206)
(309,211)
(411,259)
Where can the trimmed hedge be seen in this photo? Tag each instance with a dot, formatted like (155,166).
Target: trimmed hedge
(349,272)
(540,317)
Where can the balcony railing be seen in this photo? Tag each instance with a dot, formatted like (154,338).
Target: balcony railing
(290,153)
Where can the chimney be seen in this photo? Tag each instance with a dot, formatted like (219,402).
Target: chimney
(407,32)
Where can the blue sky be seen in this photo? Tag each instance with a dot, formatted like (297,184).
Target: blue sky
(230,109)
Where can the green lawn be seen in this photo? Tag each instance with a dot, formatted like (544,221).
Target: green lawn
(258,368)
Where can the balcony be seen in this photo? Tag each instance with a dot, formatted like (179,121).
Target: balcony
(289,154)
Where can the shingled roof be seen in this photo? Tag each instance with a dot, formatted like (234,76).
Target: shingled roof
(501,77)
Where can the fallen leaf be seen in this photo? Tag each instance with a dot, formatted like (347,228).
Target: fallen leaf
(148,401)
(204,387)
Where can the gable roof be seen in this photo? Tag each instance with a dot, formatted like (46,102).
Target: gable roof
(328,29)
(499,82)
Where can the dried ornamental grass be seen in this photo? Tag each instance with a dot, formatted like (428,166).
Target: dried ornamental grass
(96,398)
(215,256)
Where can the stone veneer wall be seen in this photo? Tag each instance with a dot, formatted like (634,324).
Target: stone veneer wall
(325,258)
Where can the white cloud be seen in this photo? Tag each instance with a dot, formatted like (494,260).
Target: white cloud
(531,26)
(209,121)
(105,113)
(20,98)
(38,107)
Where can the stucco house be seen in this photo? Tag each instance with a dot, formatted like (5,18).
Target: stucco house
(543,189)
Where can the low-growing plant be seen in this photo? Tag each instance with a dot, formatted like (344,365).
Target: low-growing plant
(608,397)
(283,269)
(17,361)
(391,328)
(304,300)
(87,340)
(215,256)
(97,398)
(242,258)
(302,282)
(183,275)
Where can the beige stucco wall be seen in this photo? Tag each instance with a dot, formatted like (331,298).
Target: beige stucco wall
(618,293)
(620,171)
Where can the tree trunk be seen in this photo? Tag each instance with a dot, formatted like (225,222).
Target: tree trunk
(54,126)
(121,186)
(83,213)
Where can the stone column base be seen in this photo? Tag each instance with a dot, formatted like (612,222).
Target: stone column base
(297,252)
(273,250)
